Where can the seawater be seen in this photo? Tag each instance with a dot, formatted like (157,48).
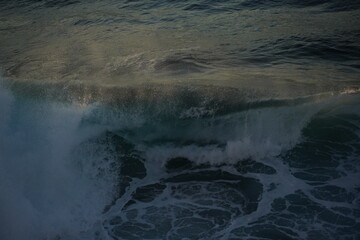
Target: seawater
(179,119)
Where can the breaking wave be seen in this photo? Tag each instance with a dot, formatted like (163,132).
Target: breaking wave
(66,168)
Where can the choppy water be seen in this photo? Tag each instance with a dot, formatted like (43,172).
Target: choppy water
(180,119)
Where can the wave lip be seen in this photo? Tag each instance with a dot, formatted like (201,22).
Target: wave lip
(118,171)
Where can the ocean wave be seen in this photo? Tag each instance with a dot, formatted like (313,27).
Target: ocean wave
(179,119)
(93,166)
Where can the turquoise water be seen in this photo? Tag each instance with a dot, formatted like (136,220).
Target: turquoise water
(179,120)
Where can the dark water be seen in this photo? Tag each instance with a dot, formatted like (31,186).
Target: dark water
(180,119)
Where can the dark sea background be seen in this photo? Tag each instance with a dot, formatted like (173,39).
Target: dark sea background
(179,119)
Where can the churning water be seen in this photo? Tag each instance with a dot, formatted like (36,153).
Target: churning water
(179,119)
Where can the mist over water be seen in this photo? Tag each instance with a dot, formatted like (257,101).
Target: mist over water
(179,119)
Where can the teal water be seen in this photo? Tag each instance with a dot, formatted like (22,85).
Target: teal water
(179,119)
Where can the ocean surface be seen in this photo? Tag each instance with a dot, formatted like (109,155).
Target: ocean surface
(179,119)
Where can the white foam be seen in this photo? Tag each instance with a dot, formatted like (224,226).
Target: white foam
(257,134)
(45,193)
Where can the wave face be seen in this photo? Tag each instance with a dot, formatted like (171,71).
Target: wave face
(276,169)
(179,119)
